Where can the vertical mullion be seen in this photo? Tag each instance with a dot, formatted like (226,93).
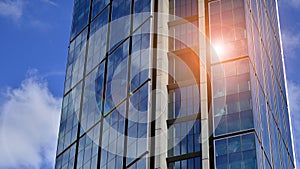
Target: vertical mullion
(83,83)
(104,81)
(153,88)
(128,85)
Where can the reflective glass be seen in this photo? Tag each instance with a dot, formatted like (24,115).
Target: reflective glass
(137,124)
(76,61)
(67,159)
(141,12)
(112,145)
(88,149)
(190,163)
(140,56)
(80,16)
(232,97)
(184,8)
(69,119)
(227,29)
(185,35)
(93,98)
(117,72)
(184,101)
(120,16)
(236,152)
(98,6)
(184,138)
(97,40)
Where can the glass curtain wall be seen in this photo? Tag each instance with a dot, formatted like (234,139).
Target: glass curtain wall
(105,105)
(184,124)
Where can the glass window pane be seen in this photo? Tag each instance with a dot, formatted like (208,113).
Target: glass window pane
(240,152)
(98,6)
(116,77)
(120,16)
(97,41)
(66,160)
(141,12)
(221,161)
(220,124)
(233,122)
(219,88)
(227,29)
(231,85)
(140,56)
(244,82)
(76,61)
(80,16)
(248,142)
(234,144)
(69,118)
(93,97)
(221,147)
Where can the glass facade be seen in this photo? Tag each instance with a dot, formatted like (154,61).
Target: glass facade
(184,124)
(248,86)
(228,28)
(105,105)
(267,75)
(236,152)
(232,102)
(228,111)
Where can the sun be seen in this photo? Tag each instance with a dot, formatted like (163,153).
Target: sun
(219,49)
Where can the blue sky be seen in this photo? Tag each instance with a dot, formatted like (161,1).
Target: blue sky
(33,54)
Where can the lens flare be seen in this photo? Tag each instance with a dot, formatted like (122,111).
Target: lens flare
(219,49)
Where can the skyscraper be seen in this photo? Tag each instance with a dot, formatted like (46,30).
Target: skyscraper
(175,84)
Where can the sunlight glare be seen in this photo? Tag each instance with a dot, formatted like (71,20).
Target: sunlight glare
(219,49)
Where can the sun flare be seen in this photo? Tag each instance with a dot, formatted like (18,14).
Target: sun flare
(219,49)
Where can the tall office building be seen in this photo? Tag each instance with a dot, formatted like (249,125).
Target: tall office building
(175,84)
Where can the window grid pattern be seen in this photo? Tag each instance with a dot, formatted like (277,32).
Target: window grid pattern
(184,101)
(268,75)
(98,6)
(236,152)
(88,149)
(92,100)
(97,40)
(180,142)
(191,163)
(121,9)
(185,35)
(232,102)
(184,8)
(183,94)
(141,163)
(67,159)
(141,10)
(116,77)
(69,119)
(227,29)
(112,145)
(76,61)
(139,61)
(100,69)
(80,16)
(137,124)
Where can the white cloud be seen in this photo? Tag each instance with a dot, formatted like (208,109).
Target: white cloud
(291,42)
(11,8)
(289,3)
(50,2)
(294,3)
(39,25)
(294,100)
(29,121)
